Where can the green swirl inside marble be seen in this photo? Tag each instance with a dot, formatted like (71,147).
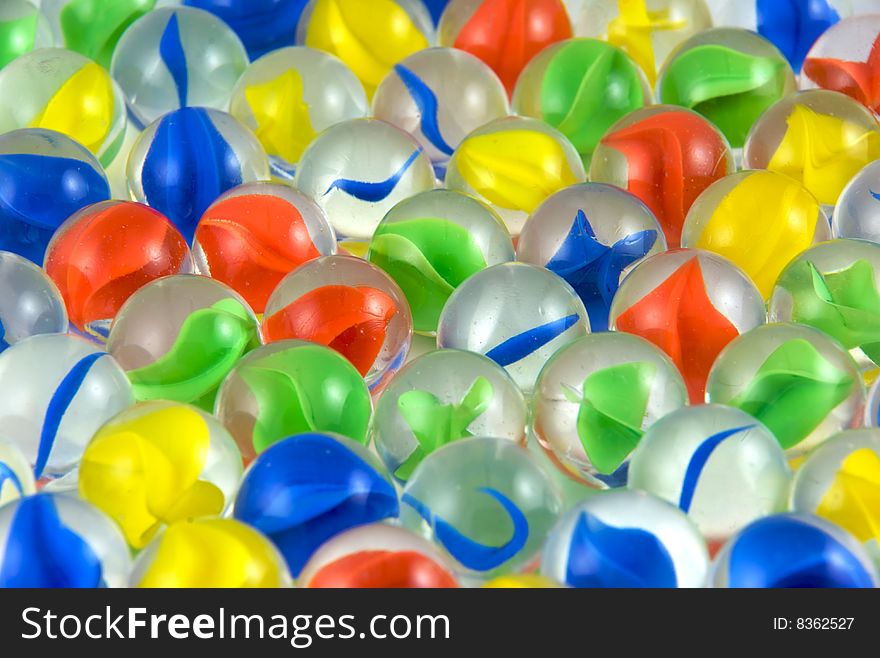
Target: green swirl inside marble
(844,304)
(428,258)
(587,86)
(728,87)
(793,391)
(210,342)
(435,424)
(306,389)
(612,409)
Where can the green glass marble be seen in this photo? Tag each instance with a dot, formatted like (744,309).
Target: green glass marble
(587,86)
(18,32)
(435,424)
(793,391)
(729,87)
(844,304)
(612,409)
(210,342)
(306,388)
(93,27)
(428,258)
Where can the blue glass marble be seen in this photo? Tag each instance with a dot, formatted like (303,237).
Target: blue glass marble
(185,160)
(591,235)
(175,57)
(794,25)
(625,539)
(485,501)
(44,178)
(262,25)
(307,488)
(794,550)
(50,540)
(516,314)
(66,389)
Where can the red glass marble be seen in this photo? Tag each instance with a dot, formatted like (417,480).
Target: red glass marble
(505,34)
(106,252)
(666,156)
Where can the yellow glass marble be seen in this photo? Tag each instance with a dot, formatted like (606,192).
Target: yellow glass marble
(61,90)
(759,220)
(156,464)
(824,151)
(370,37)
(514,164)
(283,123)
(853,499)
(633,28)
(211,553)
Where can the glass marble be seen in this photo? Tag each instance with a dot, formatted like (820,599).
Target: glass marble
(485,502)
(348,304)
(55,541)
(625,539)
(290,96)
(178,337)
(441,397)
(30,303)
(358,170)
(818,137)
(93,27)
(840,481)
(728,75)
(262,25)
(718,464)
(186,159)
(291,387)
(370,37)
(596,397)
(210,553)
(59,389)
(802,385)
(857,213)
(834,287)
(157,463)
(513,164)
(591,235)
(846,58)
(46,178)
(378,556)
(665,155)
(792,26)
(23,28)
(439,96)
(106,252)
(793,550)
(505,34)
(690,303)
(64,91)
(759,220)
(516,314)
(177,57)
(647,30)
(308,488)
(581,87)
(430,243)
(16,475)
(256,234)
